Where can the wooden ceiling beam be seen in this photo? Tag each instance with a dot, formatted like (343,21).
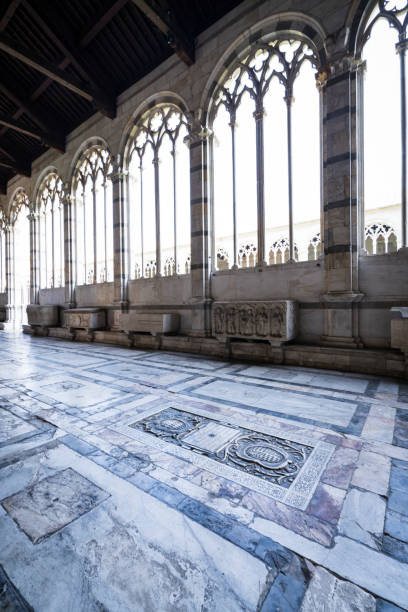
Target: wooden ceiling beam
(11,9)
(59,36)
(27,107)
(100,21)
(16,167)
(45,138)
(33,60)
(183,46)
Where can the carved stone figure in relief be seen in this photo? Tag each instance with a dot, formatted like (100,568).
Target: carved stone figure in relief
(231,321)
(277,319)
(219,320)
(261,321)
(246,321)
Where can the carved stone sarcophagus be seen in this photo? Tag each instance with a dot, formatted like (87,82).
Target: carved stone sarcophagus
(152,323)
(274,321)
(85,318)
(42,316)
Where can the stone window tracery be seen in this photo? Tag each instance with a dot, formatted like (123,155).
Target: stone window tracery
(279,252)
(380,238)
(92,189)
(315,248)
(382,46)
(159,194)
(51,215)
(266,150)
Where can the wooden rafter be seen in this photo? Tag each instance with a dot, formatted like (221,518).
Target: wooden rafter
(47,139)
(11,9)
(35,61)
(16,167)
(100,21)
(54,139)
(176,38)
(60,37)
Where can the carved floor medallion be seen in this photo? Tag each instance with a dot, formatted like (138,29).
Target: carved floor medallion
(287,470)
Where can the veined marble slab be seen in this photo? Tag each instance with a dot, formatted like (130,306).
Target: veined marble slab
(52,503)
(130,553)
(72,391)
(185,362)
(144,373)
(325,381)
(12,427)
(317,409)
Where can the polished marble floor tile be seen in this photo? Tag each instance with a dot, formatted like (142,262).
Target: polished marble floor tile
(103,478)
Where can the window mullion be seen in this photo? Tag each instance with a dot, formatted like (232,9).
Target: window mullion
(289,100)
(259,121)
(157,210)
(141,217)
(62,241)
(94,231)
(105,231)
(84,237)
(175,208)
(401,48)
(234,192)
(52,246)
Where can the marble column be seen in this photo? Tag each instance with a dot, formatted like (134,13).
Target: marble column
(199,209)
(341,215)
(120,238)
(69,249)
(34,220)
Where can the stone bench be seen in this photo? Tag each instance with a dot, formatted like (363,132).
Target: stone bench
(274,321)
(85,318)
(147,322)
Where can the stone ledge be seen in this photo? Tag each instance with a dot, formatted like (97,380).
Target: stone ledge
(382,361)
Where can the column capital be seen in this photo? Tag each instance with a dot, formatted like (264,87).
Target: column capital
(338,66)
(197,133)
(32,216)
(259,113)
(401,46)
(117,174)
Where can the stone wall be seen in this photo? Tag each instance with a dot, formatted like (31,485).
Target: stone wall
(344,297)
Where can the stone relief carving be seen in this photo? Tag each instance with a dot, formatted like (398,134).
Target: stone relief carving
(273,320)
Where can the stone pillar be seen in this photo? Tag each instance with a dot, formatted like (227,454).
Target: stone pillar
(199,210)
(34,220)
(341,216)
(10,288)
(120,237)
(69,246)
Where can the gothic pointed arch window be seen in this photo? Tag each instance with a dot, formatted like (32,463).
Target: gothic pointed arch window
(92,189)
(382,46)
(20,255)
(158,162)
(265,123)
(51,218)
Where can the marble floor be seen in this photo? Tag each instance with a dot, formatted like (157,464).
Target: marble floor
(151,481)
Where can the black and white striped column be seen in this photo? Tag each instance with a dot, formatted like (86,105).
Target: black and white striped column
(199,208)
(341,214)
(120,237)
